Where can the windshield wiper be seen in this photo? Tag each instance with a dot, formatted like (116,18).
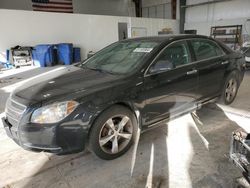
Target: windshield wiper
(97,69)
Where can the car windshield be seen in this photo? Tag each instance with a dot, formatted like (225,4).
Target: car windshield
(121,57)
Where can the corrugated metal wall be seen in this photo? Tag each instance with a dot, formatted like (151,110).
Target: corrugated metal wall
(99,7)
(203,17)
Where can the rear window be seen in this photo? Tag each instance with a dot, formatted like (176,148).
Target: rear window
(205,49)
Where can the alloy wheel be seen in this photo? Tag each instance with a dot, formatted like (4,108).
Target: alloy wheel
(116,134)
(231,90)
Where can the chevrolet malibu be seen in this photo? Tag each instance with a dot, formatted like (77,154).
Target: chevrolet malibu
(131,85)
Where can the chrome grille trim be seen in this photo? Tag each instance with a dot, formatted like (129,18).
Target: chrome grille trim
(9,116)
(15,102)
(14,111)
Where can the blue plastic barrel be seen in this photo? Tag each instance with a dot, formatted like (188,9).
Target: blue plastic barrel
(7,65)
(35,58)
(76,55)
(8,56)
(43,55)
(65,53)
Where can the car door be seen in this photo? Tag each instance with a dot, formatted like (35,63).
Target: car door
(170,83)
(211,62)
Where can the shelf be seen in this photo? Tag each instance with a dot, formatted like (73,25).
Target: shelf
(232,34)
(229,34)
(227,26)
(228,42)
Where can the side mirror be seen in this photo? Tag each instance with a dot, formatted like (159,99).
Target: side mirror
(161,66)
(90,54)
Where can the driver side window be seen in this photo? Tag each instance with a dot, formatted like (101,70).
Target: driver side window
(173,56)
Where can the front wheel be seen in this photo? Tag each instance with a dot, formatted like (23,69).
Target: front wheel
(230,89)
(113,132)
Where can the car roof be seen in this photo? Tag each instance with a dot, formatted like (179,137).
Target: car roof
(165,38)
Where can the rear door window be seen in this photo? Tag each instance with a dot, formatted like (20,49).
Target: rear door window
(205,49)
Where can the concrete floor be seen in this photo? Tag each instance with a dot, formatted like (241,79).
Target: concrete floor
(187,152)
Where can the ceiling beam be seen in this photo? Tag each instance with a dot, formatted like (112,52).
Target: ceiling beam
(204,3)
(138,8)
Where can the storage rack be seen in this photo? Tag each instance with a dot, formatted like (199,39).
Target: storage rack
(230,35)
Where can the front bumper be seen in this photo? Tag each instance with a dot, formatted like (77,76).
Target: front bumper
(61,138)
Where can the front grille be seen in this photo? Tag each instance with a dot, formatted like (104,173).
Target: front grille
(14,112)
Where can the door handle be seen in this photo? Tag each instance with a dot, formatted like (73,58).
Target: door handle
(224,62)
(192,72)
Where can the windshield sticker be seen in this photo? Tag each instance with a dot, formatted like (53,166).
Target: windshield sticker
(143,50)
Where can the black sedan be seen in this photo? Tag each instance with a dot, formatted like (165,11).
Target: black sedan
(129,85)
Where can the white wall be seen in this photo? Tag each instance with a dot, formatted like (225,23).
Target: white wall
(90,32)
(154,25)
(203,17)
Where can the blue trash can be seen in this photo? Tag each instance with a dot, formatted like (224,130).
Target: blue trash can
(7,59)
(35,58)
(76,55)
(43,55)
(7,63)
(65,53)
(8,56)
(49,57)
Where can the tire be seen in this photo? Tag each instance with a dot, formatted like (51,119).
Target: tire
(113,132)
(230,88)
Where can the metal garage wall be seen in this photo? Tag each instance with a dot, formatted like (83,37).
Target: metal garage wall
(90,32)
(99,7)
(223,13)
(157,9)
(16,4)
(104,7)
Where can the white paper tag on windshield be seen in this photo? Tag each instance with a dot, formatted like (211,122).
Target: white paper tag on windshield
(143,50)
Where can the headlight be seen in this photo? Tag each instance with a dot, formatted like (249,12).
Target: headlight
(53,113)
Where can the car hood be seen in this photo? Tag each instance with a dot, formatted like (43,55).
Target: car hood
(64,82)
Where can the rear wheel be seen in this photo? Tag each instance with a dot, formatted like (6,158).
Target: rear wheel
(230,89)
(113,132)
